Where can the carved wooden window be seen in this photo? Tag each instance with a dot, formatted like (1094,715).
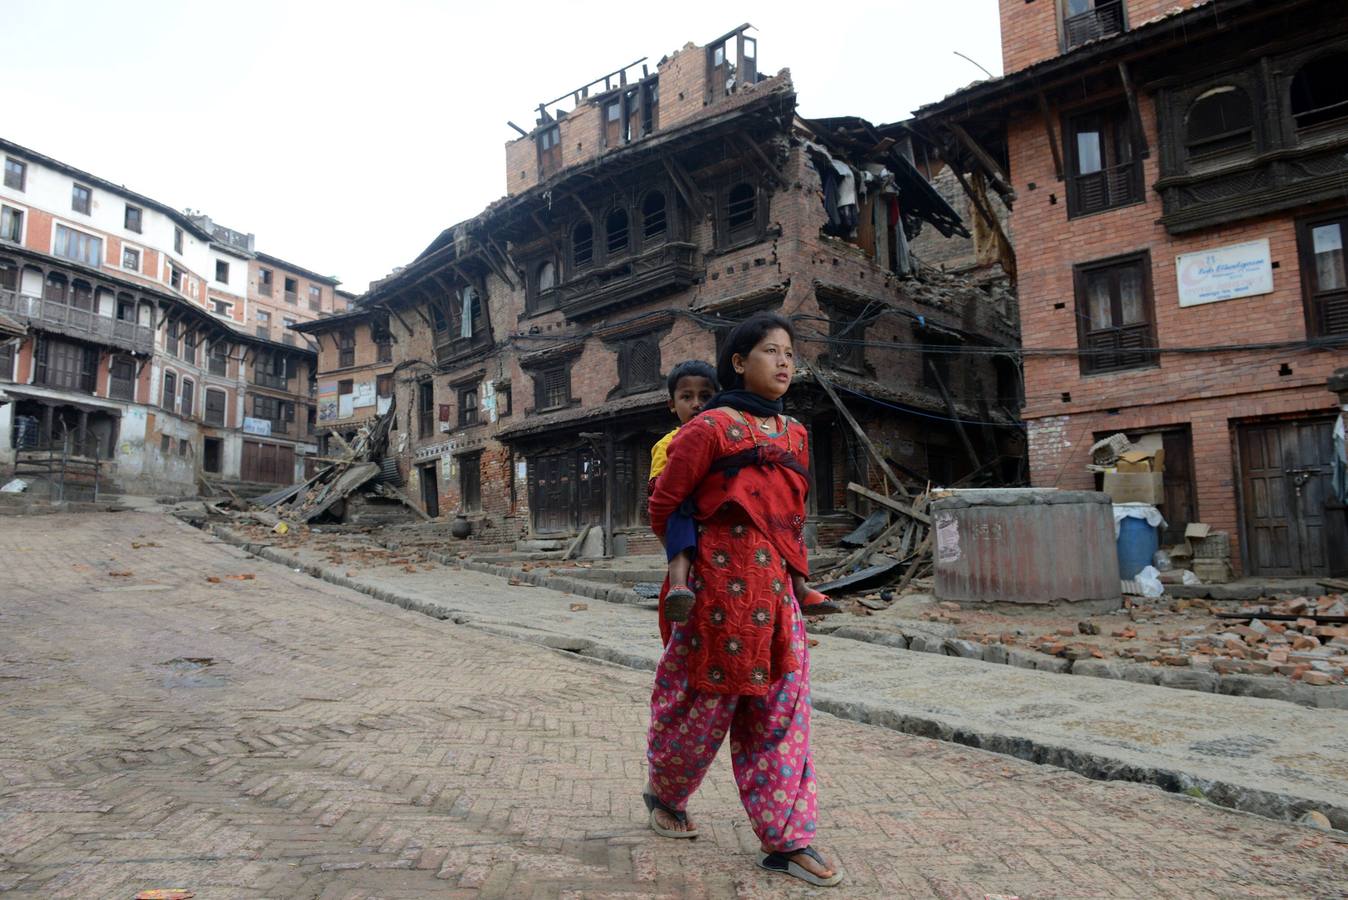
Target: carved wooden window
(582,245)
(617,232)
(1220,120)
(1105,173)
(1320,91)
(1115,322)
(654,221)
(62,364)
(1324,275)
(639,364)
(552,387)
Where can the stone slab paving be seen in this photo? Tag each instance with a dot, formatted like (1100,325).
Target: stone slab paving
(279,736)
(1265,756)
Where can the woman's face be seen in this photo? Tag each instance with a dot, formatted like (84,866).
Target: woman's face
(768,367)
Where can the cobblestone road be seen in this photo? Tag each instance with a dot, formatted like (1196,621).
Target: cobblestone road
(276,736)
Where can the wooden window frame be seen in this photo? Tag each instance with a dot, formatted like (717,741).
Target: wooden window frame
(577,265)
(1122,181)
(744,234)
(16,174)
(133,252)
(133,219)
(264,281)
(177,240)
(346,348)
(630,354)
(120,388)
(187,397)
(550,381)
(11,224)
(505,402)
(209,410)
(1094,24)
(425,409)
(315,298)
(219,354)
(383,385)
(549,145)
(81,203)
(168,395)
(1313,301)
(1101,364)
(287,293)
(222,268)
(468,406)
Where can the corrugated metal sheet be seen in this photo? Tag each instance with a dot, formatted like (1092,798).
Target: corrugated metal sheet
(1028,546)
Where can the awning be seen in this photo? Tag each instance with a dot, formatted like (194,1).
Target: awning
(56,398)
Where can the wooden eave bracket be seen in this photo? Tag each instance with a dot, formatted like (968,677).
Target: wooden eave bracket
(748,143)
(1000,183)
(1053,145)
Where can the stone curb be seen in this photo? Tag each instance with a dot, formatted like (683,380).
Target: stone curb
(1330,696)
(1272,805)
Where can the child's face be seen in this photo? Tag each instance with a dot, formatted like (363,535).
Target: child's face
(690,395)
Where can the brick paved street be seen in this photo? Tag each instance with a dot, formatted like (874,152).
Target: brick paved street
(335,746)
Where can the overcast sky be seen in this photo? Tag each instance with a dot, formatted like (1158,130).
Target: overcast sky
(346,136)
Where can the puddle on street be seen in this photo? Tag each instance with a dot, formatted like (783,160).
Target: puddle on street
(191,672)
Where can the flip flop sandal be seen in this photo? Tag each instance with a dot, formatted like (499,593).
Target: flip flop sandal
(779,861)
(679,604)
(652,804)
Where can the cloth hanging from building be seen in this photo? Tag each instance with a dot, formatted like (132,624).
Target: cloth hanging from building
(466,313)
(1339,473)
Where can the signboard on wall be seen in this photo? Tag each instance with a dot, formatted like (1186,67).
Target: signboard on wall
(1224,273)
(364,394)
(327,402)
(257,426)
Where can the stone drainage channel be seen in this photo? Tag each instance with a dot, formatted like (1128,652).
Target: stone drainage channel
(1272,804)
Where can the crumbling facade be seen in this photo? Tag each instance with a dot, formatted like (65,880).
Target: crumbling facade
(135,371)
(1177,178)
(646,213)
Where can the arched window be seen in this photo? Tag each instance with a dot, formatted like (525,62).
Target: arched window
(547,276)
(741,210)
(56,288)
(1320,90)
(616,227)
(1220,119)
(653,221)
(582,245)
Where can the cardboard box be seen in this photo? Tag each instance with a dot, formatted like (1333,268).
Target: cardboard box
(1135,487)
(1196,531)
(1141,461)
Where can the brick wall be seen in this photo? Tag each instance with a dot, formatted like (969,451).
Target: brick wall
(1210,391)
(1032,31)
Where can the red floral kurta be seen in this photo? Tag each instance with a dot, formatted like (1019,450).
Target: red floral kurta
(750,540)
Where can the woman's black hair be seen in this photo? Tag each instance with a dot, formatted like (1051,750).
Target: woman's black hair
(692,368)
(743,338)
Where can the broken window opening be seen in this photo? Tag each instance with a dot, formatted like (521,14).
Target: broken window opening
(1220,120)
(653,217)
(741,212)
(1114,315)
(616,227)
(616,130)
(582,245)
(1320,91)
(549,150)
(650,106)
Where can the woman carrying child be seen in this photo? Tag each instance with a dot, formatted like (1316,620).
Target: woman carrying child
(740,663)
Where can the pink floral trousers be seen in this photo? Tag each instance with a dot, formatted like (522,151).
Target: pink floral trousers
(769,743)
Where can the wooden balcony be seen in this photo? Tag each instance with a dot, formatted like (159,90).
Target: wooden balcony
(629,280)
(71,321)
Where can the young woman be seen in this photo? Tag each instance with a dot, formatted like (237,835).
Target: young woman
(740,664)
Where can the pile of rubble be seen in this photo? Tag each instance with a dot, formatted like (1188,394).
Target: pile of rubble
(1302,638)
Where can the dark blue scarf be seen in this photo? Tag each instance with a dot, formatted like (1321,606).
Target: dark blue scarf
(746,401)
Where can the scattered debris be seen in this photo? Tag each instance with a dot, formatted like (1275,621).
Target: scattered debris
(579,607)
(121,574)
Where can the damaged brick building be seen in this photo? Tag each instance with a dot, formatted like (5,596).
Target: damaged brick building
(646,213)
(1179,236)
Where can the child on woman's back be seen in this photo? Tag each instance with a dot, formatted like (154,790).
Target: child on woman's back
(691,384)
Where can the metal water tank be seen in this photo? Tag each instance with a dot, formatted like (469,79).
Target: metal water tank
(1031,546)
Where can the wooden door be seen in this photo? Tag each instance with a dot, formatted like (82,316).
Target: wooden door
(1285,484)
(553,493)
(589,490)
(267,463)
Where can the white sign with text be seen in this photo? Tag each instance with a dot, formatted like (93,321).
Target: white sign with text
(1224,273)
